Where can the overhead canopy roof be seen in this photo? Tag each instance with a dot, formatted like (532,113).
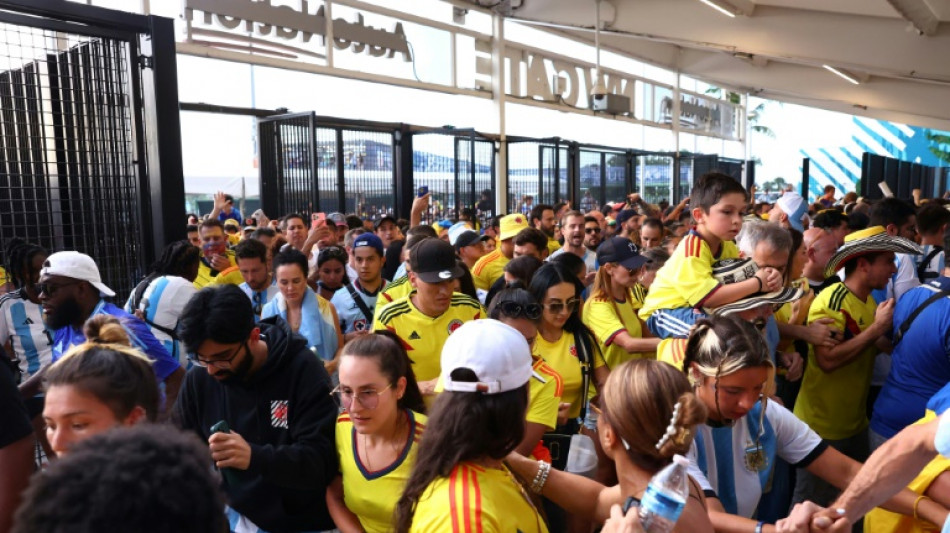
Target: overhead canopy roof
(897,50)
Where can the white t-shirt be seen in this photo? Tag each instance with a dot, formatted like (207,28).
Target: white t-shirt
(718,456)
(260,298)
(590,258)
(163,302)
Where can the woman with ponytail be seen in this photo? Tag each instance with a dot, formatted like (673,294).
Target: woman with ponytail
(648,415)
(727,362)
(98,385)
(377,434)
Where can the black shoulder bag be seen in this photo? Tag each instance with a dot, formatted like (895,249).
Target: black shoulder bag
(558,442)
(901,331)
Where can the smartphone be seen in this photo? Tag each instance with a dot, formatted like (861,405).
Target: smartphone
(221,426)
(317,219)
(424,190)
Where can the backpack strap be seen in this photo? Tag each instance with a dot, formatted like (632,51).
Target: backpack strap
(922,274)
(360,303)
(902,330)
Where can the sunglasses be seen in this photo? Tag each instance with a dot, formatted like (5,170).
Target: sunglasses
(591,230)
(558,307)
(515,310)
(49,289)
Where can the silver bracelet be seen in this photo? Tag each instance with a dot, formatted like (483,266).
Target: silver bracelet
(544,469)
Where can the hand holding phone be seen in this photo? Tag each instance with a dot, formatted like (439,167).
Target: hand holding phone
(318,219)
(424,190)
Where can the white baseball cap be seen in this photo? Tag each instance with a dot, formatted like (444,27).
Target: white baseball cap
(795,207)
(77,266)
(497,353)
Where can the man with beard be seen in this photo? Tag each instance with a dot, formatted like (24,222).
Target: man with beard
(71,291)
(542,218)
(275,448)
(579,240)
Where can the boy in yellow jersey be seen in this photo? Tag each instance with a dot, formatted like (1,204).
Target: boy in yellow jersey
(685,284)
(833,397)
(425,318)
(492,266)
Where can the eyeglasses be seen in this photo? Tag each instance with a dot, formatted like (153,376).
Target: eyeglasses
(221,364)
(557,307)
(369,399)
(514,310)
(49,289)
(591,230)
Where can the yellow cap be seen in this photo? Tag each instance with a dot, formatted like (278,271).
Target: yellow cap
(511,225)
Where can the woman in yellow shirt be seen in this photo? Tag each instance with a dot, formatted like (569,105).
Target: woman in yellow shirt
(377,433)
(563,341)
(459,482)
(611,311)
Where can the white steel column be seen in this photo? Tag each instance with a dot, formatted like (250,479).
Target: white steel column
(499,98)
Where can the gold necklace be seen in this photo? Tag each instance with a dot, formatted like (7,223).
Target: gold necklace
(393,443)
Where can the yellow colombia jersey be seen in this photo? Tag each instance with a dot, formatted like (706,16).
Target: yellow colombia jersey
(544,397)
(834,403)
(475,499)
(883,521)
(562,357)
(553,245)
(372,496)
(600,315)
(229,275)
(639,295)
(686,280)
(672,351)
(488,269)
(398,289)
(4,279)
(422,335)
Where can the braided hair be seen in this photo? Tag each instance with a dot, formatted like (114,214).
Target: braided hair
(19,256)
(176,260)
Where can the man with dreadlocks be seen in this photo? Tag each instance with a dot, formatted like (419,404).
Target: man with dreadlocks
(23,332)
(160,298)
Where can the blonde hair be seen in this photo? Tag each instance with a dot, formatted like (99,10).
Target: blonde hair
(723,345)
(602,288)
(639,402)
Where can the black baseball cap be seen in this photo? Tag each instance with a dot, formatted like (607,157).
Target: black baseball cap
(621,250)
(433,261)
(385,218)
(626,215)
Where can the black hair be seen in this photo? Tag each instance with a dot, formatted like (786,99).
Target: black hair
(228,198)
(191,228)
(285,218)
(394,363)
(251,249)
(291,256)
(829,219)
(538,211)
(89,490)
(551,274)
(353,222)
(858,220)
(19,260)
(332,253)
(221,313)
(466,281)
(654,223)
(514,294)
(523,268)
(422,229)
(532,236)
(572,262)
(463,426)
(931,217)
(263,231)
(852,264)
(710,188)
(890,211)
(178,258)
(189,215)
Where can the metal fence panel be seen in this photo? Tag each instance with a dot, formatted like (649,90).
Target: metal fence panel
(368,174)
(69,176)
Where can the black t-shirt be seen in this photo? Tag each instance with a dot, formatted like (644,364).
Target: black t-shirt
(824,285)
(14,421)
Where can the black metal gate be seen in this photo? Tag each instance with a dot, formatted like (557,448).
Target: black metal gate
(90,149)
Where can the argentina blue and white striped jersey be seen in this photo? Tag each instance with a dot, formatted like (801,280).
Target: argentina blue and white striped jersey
(351,317)
(260,298)
(727,461)
(21,323)
(163,302)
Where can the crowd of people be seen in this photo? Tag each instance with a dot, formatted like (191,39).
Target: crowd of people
(328,373)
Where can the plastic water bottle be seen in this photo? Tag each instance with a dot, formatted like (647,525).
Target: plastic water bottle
(665,497)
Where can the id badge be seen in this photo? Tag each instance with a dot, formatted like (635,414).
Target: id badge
(755,460)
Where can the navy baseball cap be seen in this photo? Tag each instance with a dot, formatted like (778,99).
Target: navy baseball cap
(368,239)
(622,251)
(626,215)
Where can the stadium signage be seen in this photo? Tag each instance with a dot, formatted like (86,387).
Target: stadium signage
(259,21)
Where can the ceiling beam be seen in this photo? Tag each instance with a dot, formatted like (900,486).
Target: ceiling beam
(918,13)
